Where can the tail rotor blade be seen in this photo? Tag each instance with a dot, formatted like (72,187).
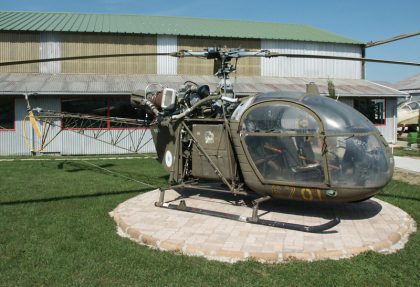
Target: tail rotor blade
(34,124)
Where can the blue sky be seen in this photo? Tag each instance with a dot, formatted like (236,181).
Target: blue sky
(367,20)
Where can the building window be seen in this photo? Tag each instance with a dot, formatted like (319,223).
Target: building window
(120,107)
(373,109)
(105,107)
(7,113)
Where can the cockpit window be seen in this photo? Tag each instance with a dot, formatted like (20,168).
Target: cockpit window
(283,142)
(280,118)
(287,158)
(413,105)
(338,117)
(357,161)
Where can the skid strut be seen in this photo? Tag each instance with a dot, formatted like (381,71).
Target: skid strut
(254,219)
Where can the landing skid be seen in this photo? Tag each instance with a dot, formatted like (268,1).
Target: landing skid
(254,219)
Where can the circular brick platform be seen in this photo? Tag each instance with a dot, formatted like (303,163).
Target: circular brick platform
(369,225)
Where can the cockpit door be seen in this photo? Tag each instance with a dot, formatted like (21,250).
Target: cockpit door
(284,143)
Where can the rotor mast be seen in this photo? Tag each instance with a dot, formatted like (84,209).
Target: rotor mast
(225,56)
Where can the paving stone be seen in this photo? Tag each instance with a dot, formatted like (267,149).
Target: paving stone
(370,225)
(134,233)
(171,245)
(335,254)
(264,256)
(149,240)
(382,245)
(231,254)
(305,256)
(357,250)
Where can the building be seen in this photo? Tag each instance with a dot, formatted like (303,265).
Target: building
(88,85)
(411,86)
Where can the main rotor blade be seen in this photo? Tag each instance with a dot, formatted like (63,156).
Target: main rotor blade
(393,39)
(269,55)
(234,54)
(12,63)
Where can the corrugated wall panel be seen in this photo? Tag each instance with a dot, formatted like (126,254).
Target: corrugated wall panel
(67,142)
(316,68)
(15,46)
(76,44)
(393,119)
(50,48)
(167,65)
(52,103)
(389,130)
(195,66)
(13,142)
(76,144)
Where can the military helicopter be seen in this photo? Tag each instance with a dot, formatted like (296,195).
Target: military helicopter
(279,145)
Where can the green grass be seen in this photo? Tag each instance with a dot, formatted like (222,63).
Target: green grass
(70,157)
(400,151)
(55,230)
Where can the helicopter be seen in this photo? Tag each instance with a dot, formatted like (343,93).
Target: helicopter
(278,145)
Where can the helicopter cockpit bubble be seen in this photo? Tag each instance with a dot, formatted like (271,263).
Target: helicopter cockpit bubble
(281,147)
(318,141)
(357,153)
(338,117)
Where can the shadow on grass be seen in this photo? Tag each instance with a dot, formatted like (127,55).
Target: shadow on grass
(67,197)
(101,169)
(77,166)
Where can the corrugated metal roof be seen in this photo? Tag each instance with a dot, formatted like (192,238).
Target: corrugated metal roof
(410,84)
(137,24)
(18,83)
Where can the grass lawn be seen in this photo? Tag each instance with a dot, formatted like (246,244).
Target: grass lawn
(402,151)
(55,230)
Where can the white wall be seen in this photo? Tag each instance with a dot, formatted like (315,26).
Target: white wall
(315,68)
(68,142)
(13,142)
(50,48)
(389,130)
(167,65)
(75,144)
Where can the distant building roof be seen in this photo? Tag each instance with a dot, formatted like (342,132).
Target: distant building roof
(19,83)
(137,24)
(385,83)
(410,85)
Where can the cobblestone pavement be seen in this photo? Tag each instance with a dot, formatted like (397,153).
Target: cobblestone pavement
(370,225)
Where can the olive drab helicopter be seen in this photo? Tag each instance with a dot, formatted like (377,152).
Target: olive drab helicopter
(278,145)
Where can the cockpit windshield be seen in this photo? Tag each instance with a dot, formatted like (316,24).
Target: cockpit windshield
(357,161)
(283,142)
(282,118)
(338,117)
(319,142)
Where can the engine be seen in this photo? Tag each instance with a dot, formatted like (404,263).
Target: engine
(161,102)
